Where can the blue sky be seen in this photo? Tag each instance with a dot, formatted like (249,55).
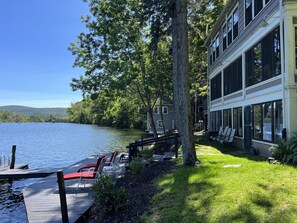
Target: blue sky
(35,65)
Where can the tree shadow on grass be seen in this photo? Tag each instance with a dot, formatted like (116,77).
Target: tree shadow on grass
(192,197)
(231,150)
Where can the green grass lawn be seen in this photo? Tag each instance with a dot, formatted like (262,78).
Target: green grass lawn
(255,192)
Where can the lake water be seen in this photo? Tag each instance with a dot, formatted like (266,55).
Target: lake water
(53,145)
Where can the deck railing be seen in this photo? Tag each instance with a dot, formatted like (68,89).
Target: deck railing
(134,147)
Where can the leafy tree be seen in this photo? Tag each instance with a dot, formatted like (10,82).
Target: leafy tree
(115,51)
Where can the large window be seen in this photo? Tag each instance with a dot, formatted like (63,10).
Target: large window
(233,77)
(252,9)
(215,120)
(216,87)
(263,59)
(237,121)
(227,121)
(267,121)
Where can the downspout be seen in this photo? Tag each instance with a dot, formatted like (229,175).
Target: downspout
(281,25)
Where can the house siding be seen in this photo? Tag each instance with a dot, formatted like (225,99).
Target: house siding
(275,91)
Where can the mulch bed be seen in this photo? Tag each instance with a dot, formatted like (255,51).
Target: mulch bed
(139,193)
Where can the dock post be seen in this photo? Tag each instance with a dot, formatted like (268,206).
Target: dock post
(176,145)
(13,150)
(62,192)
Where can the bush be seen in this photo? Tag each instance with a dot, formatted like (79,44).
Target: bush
(137,166)
(292,150)
(108,195)
(147,154)
(286,151)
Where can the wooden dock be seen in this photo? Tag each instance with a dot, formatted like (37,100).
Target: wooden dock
(20,173)
(42,199)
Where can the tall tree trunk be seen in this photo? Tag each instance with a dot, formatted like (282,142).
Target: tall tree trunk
(152,121)
(182,106)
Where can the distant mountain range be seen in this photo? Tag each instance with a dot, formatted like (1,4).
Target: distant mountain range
(28,111)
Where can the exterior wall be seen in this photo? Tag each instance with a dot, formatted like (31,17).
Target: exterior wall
(168,120)
(281,87)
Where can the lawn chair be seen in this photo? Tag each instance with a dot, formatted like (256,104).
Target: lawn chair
(225,133)
(219,133)
(91,175)
(230,138)
(108,163)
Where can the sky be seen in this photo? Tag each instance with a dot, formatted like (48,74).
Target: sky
(36,67)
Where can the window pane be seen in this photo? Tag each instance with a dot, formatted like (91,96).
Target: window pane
(249,67)
(229,29)
(237,121)
(248,12)
(227,118)
(277,51)
(258,6)
(257,125)
(224,37)
(217,47)
(278,120)
(257,63)
(267,121)
(235,24)
(215,87)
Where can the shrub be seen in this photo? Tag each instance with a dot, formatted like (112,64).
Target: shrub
(292,150)
(137,166)
(147,154)
(108,195)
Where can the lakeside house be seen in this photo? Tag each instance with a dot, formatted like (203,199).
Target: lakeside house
(167,111)
(252,73)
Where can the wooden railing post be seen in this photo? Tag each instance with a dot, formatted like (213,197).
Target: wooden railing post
(141,143)
(12,163)
(176,145)
(62,192)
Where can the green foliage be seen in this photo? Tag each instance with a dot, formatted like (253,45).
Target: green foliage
(108,195)
(137,166)
(286,151)
(147,154)
(292,150)
(6,116)
(29,111)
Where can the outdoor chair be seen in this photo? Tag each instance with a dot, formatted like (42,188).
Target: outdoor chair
(219,133)
(91,175)
(230,138)
(225,133)
(108,163)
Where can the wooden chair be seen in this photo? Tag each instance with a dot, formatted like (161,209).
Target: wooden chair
(230,138)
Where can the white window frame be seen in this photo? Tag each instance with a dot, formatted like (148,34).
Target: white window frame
(253,10)
(156,110)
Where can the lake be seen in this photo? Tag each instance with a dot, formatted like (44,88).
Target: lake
(53,145)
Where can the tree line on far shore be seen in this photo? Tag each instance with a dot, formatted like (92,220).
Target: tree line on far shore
(8,117)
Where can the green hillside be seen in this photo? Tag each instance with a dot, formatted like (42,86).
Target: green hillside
(28,111)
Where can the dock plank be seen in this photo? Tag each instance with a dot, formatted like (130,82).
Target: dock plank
(42,200)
